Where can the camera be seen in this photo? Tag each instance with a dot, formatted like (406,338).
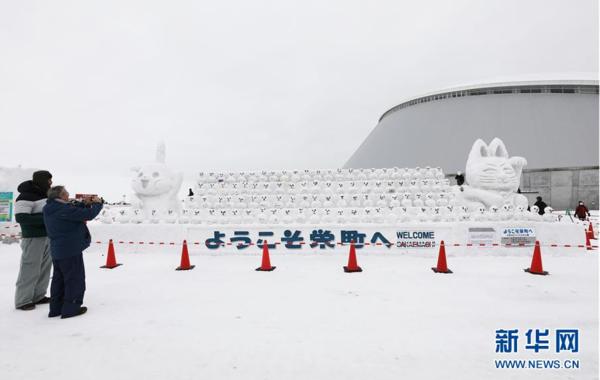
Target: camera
(88,199)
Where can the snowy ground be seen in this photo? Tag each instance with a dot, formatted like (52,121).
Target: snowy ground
(305,320)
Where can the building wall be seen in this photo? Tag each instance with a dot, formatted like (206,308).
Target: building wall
(561,188)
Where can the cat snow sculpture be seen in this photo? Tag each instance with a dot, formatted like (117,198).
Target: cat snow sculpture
(548,215)
(136,216)
(106,216)
(156,186)
(492,177)
(534,214)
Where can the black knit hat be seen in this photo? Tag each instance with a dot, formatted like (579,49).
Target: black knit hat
(40,178)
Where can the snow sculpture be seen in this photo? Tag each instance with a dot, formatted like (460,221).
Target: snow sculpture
(492,177)
(548,215)
(106,216)
(534,214)
(136,216)
(171,216)
(184,218)
(480,215)
(506,212)
(156,186)
(123,216)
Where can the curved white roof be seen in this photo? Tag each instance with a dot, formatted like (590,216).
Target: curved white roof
(527,81)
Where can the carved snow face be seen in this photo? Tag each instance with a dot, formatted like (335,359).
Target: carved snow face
(494,209)
(520,209)
(548,210)
(506,208)
(489,167)
(154,179)
(481,210)
(535,209)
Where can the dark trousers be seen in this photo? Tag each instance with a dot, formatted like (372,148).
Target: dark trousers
(68,286)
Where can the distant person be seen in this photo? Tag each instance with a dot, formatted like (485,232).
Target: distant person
(190,192)
(582,211)
(34,271)
(541,205)
(460,178)
(69,237)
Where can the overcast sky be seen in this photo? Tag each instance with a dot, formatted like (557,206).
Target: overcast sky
(88,88)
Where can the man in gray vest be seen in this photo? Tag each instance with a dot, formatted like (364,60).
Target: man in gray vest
(34,273)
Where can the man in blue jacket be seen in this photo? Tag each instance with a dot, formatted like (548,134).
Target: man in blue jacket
(69,237)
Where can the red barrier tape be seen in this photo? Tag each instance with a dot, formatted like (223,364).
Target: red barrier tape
(470,245)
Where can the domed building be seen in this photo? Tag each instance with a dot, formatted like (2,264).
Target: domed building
(553,124)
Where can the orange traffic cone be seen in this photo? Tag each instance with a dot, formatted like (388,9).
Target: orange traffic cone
(111,260)
(185,258)
(352,263)
(588,243)
(591,231)
(536,261)
(266,261)
(442,266)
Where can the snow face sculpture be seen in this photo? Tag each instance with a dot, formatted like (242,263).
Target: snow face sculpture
(156,186)
(492,177)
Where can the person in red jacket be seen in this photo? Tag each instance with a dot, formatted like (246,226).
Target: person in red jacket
(581,211)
